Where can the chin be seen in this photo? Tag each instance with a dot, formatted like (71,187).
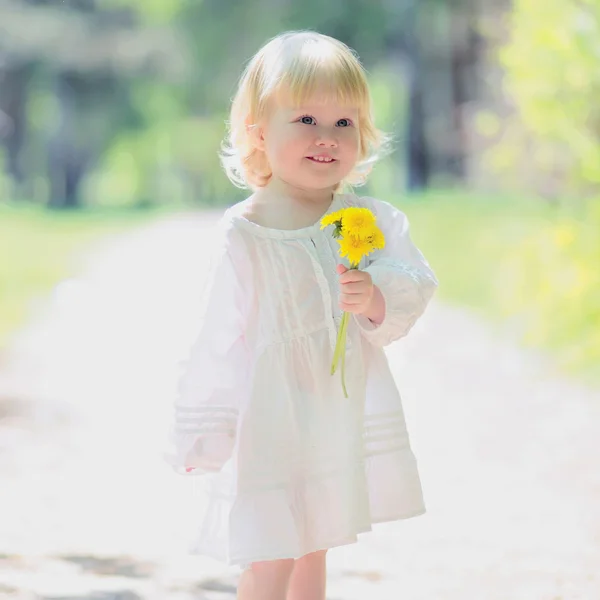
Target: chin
(322,185)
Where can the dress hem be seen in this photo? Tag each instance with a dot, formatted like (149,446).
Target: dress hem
(353,539)
(246,563)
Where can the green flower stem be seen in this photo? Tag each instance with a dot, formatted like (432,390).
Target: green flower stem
(345,328)
(340,346)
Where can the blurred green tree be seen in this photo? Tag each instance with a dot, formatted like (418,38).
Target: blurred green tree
(552,77)
(82,62)
(125,101)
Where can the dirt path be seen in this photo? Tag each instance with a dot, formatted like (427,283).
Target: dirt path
(509,455)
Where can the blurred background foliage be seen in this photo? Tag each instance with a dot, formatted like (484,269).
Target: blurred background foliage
(112,113)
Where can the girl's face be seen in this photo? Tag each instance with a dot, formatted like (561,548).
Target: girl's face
(312,146)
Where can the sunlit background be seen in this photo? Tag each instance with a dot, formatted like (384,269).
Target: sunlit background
(111,117)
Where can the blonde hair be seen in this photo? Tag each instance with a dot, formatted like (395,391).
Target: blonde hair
(295,64)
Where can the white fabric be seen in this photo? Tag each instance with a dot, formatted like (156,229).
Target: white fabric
(293,465)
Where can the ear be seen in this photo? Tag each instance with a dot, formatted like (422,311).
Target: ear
(257,134)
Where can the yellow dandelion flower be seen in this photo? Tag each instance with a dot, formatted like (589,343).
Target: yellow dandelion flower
(377,239)
(354,248)
(331,218)
(358,221)
(357,236)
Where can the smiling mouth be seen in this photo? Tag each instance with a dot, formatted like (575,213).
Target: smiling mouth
(321,160)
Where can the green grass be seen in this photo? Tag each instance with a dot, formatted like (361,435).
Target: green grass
(465,238)
(518,262)
(39,248)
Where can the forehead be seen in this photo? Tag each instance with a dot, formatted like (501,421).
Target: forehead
(317,103)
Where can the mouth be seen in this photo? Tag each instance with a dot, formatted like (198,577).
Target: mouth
(326,160)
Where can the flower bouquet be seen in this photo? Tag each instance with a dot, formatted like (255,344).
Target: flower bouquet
(357,235)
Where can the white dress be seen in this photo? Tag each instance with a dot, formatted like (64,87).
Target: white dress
(293,466)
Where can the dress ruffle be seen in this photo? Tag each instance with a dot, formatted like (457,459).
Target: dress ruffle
(294,519)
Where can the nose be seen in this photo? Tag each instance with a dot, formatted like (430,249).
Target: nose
(326,139)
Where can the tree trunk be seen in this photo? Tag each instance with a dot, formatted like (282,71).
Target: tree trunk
(14,82)
(417,150)
(68,157)
(465,48)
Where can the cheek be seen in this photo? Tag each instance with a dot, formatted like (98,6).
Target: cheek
(287,144)
(351,142)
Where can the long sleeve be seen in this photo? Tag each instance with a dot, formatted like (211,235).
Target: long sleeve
(213,380)
(403,275)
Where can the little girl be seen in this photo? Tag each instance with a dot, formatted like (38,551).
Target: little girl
(294,467)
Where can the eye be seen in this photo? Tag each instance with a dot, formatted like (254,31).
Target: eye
(306,119)
(345,122)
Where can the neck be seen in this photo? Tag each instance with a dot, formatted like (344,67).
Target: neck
(299,195)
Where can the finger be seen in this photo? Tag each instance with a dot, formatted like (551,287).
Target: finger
(351,308)
(341,269)
(352,299)
(356,287)
(352,275)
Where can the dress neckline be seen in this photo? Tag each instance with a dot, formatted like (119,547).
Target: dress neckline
(271,232)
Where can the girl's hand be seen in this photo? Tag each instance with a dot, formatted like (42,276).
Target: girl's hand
(359,295)
(356,289)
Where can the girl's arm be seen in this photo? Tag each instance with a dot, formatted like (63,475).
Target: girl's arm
(213,379)
(403,278)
